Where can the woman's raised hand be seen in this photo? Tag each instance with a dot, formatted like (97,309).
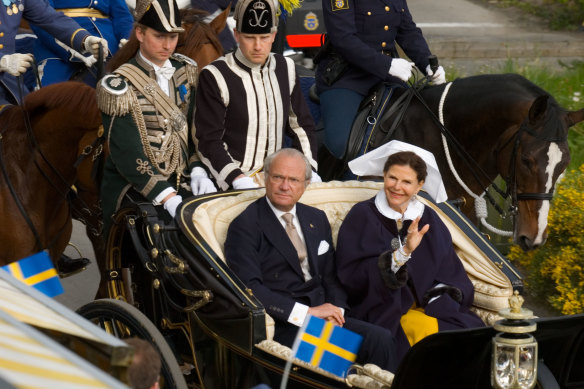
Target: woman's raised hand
(415,236)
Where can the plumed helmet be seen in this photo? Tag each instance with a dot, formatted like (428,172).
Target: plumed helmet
(161,15)
(255,16)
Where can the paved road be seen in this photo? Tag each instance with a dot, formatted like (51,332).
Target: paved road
(469,34)
(461,32)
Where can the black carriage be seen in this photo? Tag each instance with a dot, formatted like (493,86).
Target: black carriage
(168,282)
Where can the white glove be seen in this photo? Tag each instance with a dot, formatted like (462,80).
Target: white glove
(244,183)
(437,78)
(15,64)
(200,182)
(91,45)
(401,68)
(122,43)
(172,203)
(315,177)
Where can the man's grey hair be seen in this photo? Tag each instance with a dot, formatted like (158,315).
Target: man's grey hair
(289,152)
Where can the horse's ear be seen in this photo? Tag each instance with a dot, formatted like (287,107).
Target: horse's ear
(220,21)
(538,109)
(574,117)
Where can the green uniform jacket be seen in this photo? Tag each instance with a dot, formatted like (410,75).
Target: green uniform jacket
(146,147)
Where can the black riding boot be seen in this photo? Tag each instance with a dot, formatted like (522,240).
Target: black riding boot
(67,266)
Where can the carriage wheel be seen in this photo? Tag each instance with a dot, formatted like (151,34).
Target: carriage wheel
(122,320)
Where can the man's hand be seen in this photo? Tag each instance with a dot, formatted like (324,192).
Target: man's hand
(315,178)
(172,203)
(437,78)
(328,312)
(401,69)
(91,45)
(200,182)
(15,64)
(244,182)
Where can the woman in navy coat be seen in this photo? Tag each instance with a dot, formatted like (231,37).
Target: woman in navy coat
(396,260)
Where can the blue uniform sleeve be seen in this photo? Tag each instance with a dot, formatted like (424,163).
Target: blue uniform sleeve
(65,29)
(121,18)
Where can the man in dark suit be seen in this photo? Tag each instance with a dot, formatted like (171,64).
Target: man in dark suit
(293,280)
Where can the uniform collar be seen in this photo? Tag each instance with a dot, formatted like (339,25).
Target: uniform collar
(245,62)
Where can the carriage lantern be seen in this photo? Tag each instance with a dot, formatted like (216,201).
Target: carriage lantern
(514,363)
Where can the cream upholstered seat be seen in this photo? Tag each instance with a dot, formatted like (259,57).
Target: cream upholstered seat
(492,287)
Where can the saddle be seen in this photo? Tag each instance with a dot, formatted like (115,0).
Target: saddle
(371,127)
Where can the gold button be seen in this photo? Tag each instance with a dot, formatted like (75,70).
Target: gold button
(383,44)
(369,13)
(1,46)
(386,28)
(386,8)
(1,34)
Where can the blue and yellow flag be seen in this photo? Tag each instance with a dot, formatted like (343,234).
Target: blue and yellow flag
(37,271)
(327,346)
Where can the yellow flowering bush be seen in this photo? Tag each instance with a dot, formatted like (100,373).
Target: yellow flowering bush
(556,270)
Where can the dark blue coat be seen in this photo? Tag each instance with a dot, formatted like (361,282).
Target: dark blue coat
(364,235)
(364,32)
(42,14)
(112,21)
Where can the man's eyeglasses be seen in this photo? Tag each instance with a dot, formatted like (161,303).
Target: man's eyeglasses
(278,179)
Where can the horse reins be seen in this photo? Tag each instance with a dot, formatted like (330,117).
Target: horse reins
(511,181)
(96,145)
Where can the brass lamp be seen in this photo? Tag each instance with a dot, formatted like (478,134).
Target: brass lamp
(514,363)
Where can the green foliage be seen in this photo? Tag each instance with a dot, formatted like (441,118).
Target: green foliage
(556,270)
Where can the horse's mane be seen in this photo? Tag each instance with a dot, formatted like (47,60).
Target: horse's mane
(73,96)
(198,33)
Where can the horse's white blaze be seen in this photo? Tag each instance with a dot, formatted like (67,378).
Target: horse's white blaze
(554,158)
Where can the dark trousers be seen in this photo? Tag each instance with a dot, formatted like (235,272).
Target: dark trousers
(378,345)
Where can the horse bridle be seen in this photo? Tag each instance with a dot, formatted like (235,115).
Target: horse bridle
(511,181)
(96,147)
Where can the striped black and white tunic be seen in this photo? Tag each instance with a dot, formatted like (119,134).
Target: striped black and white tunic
(244,111)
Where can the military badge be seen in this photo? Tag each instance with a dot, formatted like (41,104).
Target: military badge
(311,21)
(338,5)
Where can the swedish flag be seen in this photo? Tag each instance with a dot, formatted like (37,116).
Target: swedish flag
(327,346)
(37,271)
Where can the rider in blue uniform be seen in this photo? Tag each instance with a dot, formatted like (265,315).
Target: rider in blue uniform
(362,38)
(110,19)
(41,13)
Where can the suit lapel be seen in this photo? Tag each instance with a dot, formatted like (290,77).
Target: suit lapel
(276,234)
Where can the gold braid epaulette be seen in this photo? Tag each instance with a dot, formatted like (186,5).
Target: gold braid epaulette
(114,97)
(191,68)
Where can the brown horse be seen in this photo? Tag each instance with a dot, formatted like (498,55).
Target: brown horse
(64,120)
(38,169)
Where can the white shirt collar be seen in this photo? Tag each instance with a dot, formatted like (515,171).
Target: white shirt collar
(278,212)
(415,208)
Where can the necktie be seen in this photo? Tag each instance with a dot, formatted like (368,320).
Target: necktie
(165,72)
(294,237)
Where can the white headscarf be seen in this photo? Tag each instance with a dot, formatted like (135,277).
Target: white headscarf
(371,164)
